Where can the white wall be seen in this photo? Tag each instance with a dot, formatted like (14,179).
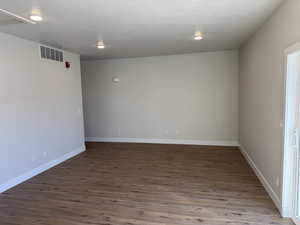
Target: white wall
(262,91)
(41,108)
(182,97)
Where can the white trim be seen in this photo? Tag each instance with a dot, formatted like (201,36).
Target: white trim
(289,155)
(163,141)
(286,171)
(262,179)
(25,176)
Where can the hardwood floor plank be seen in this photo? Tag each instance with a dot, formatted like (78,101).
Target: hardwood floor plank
(143,184)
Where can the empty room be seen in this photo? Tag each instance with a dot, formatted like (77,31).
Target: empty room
(150,112)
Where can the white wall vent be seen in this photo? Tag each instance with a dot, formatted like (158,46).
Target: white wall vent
(9,18)
(51,54)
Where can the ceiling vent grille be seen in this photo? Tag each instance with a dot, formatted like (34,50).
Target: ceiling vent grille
(51,54)
(9,18)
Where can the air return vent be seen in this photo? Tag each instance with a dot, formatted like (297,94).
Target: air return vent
(9,18)
(51,54)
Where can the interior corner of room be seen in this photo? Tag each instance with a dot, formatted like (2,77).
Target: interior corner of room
(160,97)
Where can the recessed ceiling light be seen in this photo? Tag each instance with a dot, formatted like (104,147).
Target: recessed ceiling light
(198,35)
(100,45)
(36,15)
(36,18)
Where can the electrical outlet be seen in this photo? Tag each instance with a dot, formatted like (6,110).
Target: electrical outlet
(78,111)
(277,181)
(281,124)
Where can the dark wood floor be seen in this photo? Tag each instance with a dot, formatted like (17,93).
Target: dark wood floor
(142,184)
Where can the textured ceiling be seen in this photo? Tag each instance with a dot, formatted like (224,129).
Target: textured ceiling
(133,28)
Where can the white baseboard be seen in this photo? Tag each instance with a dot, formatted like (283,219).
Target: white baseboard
(20,179)
(163,141)
(262,179)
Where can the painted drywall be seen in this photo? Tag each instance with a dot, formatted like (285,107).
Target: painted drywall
(262,81)
(41,108)
(177,97)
